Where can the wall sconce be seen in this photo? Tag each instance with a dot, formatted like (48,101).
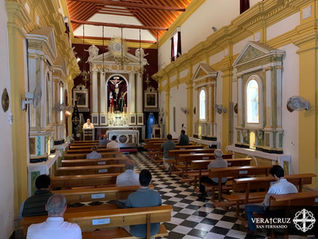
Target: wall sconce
(184,110)
(297,103)
(220,109)
(32,98)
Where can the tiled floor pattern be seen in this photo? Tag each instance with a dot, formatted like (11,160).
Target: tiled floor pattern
(191,218)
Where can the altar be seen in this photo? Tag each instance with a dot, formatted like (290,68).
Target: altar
(116,92)
(127,138)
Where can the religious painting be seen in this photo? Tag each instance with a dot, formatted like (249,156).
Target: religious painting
(133,119)
(150,100)
(80,96)
(81,99)
(117,94)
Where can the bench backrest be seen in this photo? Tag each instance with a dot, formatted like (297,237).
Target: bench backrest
(203,164)
(83,180)
(200,156)
(110,154)
(86,162)
(242,184)
(237,172)
(101,219)
(88,150)
(295,199)
(91,169)
(97,194)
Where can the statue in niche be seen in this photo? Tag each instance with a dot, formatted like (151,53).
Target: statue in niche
(93,52)
(117,94)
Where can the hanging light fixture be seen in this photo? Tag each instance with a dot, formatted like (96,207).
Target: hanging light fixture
(84,73)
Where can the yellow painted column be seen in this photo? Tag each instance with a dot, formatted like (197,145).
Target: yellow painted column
(168,110)
(17,18)
(226,99)
(308,120)
(190,108)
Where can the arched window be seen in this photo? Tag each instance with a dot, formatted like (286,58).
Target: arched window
(252,102)
(61,100)
(202,105)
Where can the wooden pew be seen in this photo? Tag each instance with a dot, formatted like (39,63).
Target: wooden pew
(110,154)
(186,159)
(92,220)
(91,169)
(97,194)
(234,172)
(202,167)
(96,180)
(86,151)
(72,147)
(242,188)
(295,199)
(87,162)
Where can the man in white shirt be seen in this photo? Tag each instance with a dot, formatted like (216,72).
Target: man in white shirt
(94,154)
(55,226)
(281,186)
(113,143)
(219,162)
(129,177)
(88,125)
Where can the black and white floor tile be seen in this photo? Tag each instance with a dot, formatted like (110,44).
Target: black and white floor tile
(191,218)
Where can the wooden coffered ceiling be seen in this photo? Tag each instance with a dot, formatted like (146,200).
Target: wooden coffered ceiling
(154,17)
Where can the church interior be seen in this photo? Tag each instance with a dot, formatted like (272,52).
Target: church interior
(240,76)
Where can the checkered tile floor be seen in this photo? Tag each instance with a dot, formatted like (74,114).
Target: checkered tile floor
(191,218)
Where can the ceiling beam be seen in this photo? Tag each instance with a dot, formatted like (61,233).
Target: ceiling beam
(119,25)
(132,5)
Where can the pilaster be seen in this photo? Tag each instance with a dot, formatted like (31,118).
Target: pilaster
(17,18)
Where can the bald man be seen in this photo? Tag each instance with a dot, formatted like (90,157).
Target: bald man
(55,226)
(129,177)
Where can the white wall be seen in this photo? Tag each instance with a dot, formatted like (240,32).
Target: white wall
(178,99)
(290,88)
(199,25)
(6,165)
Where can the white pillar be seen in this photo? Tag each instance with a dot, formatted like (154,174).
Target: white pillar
(102,93)
(139,93)
(269,115)
(132,89)
(240,101)
(279,96)
(94,95)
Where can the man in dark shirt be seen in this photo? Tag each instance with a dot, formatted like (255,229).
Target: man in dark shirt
(144,197)
(183,139)
(35,205)
(166,146)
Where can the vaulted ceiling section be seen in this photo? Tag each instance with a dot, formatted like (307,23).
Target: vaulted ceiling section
(155,16)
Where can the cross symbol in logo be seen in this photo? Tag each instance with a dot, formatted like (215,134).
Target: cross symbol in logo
(304,220)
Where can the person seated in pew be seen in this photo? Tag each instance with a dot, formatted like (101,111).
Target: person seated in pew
(35,205)
(129,177)
(113,144)
(103,141)
(281,186)
(94,154)
(183,139)
(144,197)
(219,162)
(55,226)
(166,146)
(88,125)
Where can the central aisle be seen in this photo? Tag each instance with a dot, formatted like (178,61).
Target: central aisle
(191,218)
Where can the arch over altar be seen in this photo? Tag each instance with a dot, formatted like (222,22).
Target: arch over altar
(116,87)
